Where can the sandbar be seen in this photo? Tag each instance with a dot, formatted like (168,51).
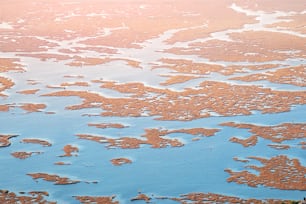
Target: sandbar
(70,151)
(5,140)
(120,161)
(53,178)
(191,103)
(98,199)
(276,133)
(37,141)
(278,172)
(8,197)
(24,155)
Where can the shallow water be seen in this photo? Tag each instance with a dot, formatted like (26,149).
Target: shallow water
(197,166)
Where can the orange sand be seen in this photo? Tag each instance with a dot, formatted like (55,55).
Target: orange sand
(199,198)
(278,133)
(296,23)
(189,67)
(292,75)
(29,91)
(277,172)
(88,61)
(77,83)
(5,140)
(53,178)
(62,163)
(129,24)
(10,64)
(24,155)
(272,6)
(303,144)
(35,197)
(74,76)
(177,79)
(37,141)
(141,196)
(4,108)
(70,151)
(153,137)
(107,125)
(248,46)
(102,199)
(46,56)
(195,131)
(24,44)
(279,146)
(189,104)
(241,160)
(28,107)
(32,107)
(120,161)
(251,141)
(5,84)
(32,82)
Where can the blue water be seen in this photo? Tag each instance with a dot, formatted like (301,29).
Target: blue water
(196,167)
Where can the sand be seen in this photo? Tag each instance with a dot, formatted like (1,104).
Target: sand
(246,46)
(198,197)
(153,137)
(32,197)
(292,75)
(192,103)
(24,155)
(120,161)
(28,91)
(187,42)
(5,84)
(278,172)
(98,199)
(107,125)
(5,140)
(141,196)
(53,178)
(70,151)
(277,133)
(44,143)
(11,64)
(33,107)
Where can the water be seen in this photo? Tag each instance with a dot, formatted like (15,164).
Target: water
(198,166)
